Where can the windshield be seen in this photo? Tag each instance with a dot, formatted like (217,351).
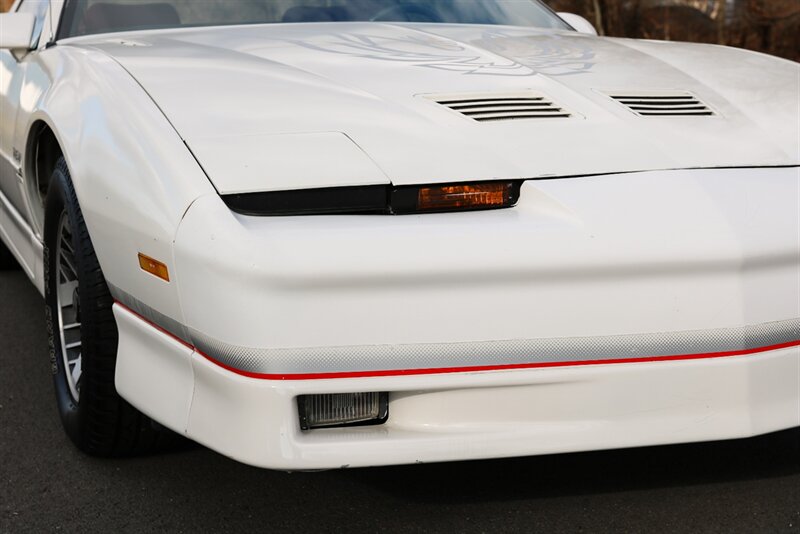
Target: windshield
(85,17)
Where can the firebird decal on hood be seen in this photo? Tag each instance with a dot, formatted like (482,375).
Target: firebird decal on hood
(510,56)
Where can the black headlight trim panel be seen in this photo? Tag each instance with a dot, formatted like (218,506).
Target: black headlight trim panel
(322,201)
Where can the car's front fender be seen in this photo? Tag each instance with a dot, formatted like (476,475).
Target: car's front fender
(133,174)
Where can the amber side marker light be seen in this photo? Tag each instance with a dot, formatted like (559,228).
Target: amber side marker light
(154,267)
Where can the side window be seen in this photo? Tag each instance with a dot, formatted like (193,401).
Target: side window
(39,9)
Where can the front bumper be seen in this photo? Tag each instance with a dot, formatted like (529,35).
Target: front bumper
(459,416)
(600,312)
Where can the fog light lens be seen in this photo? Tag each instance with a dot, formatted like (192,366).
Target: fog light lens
(343,409)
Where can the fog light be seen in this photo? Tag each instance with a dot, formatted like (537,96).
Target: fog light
(343,409)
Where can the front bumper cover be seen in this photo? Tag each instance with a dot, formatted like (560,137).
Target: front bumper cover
(645,269)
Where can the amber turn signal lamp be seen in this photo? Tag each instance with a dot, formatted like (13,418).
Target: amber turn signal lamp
(154,267)
(467,196)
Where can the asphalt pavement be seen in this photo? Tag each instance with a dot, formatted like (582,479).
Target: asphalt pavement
(46,485)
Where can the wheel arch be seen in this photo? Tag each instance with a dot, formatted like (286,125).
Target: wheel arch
(42,152)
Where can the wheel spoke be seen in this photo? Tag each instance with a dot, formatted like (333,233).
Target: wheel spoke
(65,292)
(68,267)
(66,242)
(67,302)
(76,371)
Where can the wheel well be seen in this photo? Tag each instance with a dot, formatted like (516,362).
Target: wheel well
(42,155)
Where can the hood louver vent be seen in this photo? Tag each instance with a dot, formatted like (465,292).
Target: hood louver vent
(664,105)
(503,107)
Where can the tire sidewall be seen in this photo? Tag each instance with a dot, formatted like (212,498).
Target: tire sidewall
(57,204)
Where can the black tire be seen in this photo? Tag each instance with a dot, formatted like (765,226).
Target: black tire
(99,422)
(7,259)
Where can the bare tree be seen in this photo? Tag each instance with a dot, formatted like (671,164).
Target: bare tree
(771,26)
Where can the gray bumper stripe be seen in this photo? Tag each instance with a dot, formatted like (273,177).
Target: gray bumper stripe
(496,353)
(359,358)
(154,316)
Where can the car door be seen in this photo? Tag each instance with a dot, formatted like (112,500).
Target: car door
(13,73)
(22,84)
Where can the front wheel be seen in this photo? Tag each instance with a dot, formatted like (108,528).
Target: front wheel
(83,336)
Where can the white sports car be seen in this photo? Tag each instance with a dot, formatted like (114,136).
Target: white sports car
(322,233)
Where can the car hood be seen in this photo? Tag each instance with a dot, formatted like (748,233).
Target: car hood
(313,105)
